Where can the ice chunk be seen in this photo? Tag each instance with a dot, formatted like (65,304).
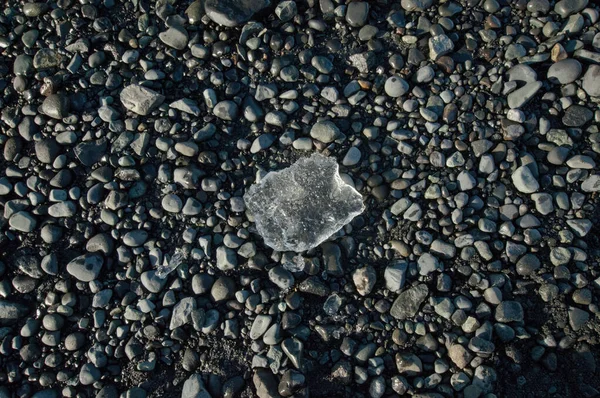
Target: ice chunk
(297,264)
(169,266)
(332,304)
(299,207)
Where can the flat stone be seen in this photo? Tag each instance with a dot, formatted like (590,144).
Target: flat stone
(22,221)
(591,184)
(226,110)
(186,105)
(140,99)
(577,116)
(175,37)
(152,282)
(259,326)
(524,180)
(407,304)
(416,5)
(578,318)
(86,267)
(523,95)
(522,73)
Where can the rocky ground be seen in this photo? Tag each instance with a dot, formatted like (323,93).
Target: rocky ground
(131,130)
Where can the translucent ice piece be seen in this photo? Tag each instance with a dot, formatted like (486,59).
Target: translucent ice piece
(299,207)
(296,265)
(332,304)
(169,266)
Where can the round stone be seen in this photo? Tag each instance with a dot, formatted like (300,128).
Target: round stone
(396,86)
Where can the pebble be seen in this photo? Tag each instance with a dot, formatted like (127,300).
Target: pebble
(565,71)
(226,110)
(409,301)
(523,95)
(86,267)
(357,13)
(325,131)
(396,87)
(524,180)
(56,106)
(590,81)
(175,37)
(140,99)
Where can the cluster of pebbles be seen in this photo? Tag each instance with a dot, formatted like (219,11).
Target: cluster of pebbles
(130,129)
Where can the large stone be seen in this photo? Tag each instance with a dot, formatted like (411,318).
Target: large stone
(140,99)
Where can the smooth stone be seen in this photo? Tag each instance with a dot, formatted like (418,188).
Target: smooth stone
(565,71)
(357,13)
(56,106)
(152,282)
(395,86)
(23,65)
(522,73)
(591,81)
(22,221)
(86,267)
(416,5)
(226,110)
(524,180)
(325,131)
(577,116)
(194,387)
(509,311)
(564,8)
(523,95)
(175,37)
